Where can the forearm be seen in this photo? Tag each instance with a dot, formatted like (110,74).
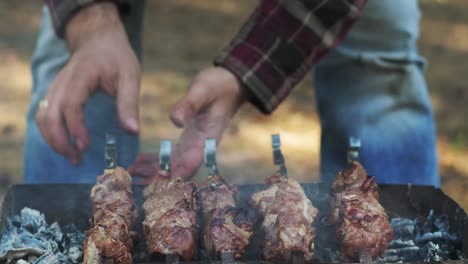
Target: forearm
(91,22)
(280,43)
(62,11)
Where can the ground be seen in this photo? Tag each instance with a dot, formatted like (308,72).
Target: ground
(183,36)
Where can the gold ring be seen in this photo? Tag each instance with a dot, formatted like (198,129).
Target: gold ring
(43,104)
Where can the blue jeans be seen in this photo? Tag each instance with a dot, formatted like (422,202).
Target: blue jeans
(371,87)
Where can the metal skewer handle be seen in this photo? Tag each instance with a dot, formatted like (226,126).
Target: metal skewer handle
(278,158)
(172,259)
(353,151)
(210,155)
(165,150)
(110,152)
(227,257)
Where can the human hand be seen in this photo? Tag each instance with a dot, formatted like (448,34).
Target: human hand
(213,97)
(146,167)
(101,58)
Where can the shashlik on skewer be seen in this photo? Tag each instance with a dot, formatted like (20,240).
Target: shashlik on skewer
(364,225)
(170,213)
(288,215)
(114,213)
(227,228)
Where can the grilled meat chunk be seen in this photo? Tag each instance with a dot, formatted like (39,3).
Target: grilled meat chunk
(363,221)
(227,228)
(288,219)
(170,216)
(114,213)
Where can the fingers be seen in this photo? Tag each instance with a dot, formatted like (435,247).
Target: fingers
(72,96)
(128,92)
(50,122)
(62,122)
(187,158)
(58,136)
(145,166)
(197,99)
(76,125)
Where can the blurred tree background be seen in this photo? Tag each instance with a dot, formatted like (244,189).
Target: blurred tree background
(183,36)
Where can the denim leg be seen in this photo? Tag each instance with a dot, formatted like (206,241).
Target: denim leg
(41,163)
(372,86)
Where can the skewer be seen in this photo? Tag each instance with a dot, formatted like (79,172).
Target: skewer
(227,257)
(297,257)
(278,158)
(353,150)
(365,256)
(172,259)
(106,260)
(110,153)
(210,156)
(165,150)
(110,158)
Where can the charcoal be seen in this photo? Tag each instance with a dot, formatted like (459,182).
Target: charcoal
(399,243)
(427,225)
(436,237)
(403,228)
(17,243)
(32,219)
(421,239)
(431,252)
(75,254)
(458,255)
(442,223)
(16,221)
(405,254)
(73,243)
(52,232)
(432,223)
(31,258)
(52,258)
(389,259)
(29,239)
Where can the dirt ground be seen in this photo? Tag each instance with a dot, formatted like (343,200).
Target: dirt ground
(183,36)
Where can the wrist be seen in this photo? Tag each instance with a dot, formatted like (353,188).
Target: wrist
(239,90)
(92,21)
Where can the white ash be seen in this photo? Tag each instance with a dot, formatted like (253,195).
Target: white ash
(27,238)
(425,240)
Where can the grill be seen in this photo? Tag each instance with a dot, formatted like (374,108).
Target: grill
(70,204)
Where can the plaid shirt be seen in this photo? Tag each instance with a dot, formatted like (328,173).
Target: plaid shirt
(275,48)
(281,41)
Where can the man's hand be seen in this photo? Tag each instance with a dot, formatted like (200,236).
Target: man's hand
(214,96)
(101,57)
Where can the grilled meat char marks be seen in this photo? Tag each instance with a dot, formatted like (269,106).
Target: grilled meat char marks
(227,228)
(363,221)
(288,218)
(114,213)
(170,216)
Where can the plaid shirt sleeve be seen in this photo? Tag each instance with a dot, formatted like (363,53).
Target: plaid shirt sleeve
(281,41)
(62,10)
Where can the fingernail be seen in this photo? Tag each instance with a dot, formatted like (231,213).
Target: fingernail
(74,161)
(177,118)
(75,158)
(132,124)
(80,143)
